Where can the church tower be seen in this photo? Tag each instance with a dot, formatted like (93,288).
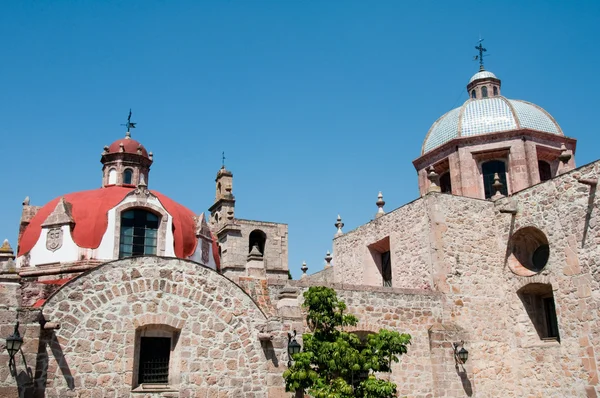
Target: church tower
(222,211)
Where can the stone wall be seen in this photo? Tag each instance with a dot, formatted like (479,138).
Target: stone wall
(408,235)
(462,247)
(216,326)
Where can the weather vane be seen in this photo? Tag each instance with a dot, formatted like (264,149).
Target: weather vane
(223,160)
(480,56)
(130,125)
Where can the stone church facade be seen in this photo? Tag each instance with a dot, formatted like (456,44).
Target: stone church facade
(123,292)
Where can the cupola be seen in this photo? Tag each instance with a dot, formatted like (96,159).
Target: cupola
(126,161)
(483,84)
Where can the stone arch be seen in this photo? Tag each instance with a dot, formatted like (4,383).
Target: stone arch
(259,238)
(101,310)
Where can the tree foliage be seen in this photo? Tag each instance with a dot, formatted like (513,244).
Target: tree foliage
(338,364)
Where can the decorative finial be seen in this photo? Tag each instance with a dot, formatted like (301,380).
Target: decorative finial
(223,160)
(26,201)
(328,259)
(497,185)
(339,225)
(142,183)
(130,125)
(304,268)
(380,203)
(5,248)
(106,150)
(151,156)
(564,156)
(480,56)
(434,179)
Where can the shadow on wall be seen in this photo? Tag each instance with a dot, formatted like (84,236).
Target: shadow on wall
(466,383)
(48,338)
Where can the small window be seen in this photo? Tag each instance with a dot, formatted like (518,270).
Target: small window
(139,233)
(127,176)
(488,169)
(386,269)
(112,177)
(153,366)
(381,272)
(538,301)
(446,183)
(495,91)
(545,170)
(484,92)
(473,94)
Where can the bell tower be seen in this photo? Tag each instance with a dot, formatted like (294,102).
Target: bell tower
(222,211)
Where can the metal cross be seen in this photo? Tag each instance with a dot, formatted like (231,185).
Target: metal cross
(223,159)
(481,51)
(129,124)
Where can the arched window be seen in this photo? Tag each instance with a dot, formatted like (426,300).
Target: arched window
(257,238)
(488,170)
(112,177)
(127,176)
(446,183)
(473,94)
(139,236)
(495,91)
(484,93)
(545,170)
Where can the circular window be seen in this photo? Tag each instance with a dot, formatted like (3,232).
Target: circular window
(529,251)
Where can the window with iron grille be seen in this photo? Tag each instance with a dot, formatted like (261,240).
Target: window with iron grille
(154,360)
(139,233)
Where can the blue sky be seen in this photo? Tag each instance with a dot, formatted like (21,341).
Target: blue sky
(318,105)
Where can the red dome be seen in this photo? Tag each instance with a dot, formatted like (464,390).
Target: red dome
(129,146)
(89,210)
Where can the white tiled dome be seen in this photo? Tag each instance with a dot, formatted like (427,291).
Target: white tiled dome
(487,116)
(484,74)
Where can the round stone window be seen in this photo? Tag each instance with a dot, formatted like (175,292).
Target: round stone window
(529,251)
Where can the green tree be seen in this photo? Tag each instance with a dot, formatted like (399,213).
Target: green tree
(338,364)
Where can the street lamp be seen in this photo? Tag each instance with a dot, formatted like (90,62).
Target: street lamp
(293,347)
(13,344)
(461,355)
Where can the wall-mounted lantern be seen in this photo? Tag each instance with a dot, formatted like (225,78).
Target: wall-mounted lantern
(293,347)
(13,345)
(461,355)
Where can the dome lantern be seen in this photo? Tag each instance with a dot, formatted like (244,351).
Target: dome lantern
(126,161)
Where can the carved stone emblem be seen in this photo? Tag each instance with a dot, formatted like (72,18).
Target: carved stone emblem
(54,239)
